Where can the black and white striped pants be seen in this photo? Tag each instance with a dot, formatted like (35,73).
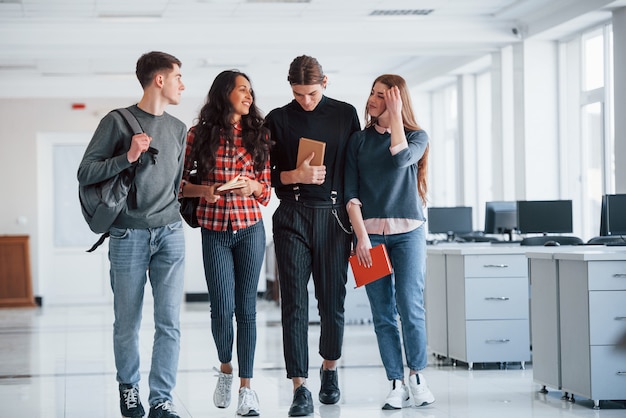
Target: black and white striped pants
(232,264)
(309,240)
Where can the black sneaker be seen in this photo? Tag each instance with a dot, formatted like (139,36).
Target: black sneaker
(302,404)
(163,410)
(329,389)
(130,404)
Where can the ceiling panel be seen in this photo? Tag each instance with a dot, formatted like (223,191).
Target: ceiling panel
(62,38)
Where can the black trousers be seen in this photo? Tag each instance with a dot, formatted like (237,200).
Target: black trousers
(309,240)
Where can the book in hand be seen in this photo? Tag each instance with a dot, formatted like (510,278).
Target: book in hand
(381,266)
(306,146)
(234,183)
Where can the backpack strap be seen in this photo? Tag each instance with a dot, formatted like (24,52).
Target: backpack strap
(131,120)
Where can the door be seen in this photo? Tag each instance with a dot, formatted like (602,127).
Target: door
(67,273)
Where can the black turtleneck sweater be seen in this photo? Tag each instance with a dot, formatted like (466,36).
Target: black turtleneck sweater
(332,122)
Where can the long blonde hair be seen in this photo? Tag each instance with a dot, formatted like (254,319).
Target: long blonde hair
(409,122)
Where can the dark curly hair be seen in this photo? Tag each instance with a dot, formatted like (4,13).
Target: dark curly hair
(214,122)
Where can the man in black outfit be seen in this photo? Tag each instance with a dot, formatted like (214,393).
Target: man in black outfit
(311,227)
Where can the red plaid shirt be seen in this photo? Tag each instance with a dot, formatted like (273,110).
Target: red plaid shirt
(231,159)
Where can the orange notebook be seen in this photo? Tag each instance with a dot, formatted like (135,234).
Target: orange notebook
(306,146)
(381,266)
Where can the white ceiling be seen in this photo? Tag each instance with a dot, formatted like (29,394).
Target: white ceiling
(62,48)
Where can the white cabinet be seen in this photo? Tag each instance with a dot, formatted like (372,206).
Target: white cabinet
(488,317)
(477,307)
(544,314)
(592,295)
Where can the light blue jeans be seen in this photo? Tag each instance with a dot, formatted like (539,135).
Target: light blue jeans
(160,252)
(401,293)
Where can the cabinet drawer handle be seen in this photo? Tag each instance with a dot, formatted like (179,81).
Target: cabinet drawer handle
(497,266)
(619,275)
(620,318)
(497,298)
(502,341)
(621,373)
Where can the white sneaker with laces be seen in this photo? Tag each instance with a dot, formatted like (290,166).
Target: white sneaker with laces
(419,390)
(248,404)
(398,398)
(163,410)
(221,396)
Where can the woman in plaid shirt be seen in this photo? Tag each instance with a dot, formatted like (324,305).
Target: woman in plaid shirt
(229,142)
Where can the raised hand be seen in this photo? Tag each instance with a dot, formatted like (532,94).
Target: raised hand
(393,101)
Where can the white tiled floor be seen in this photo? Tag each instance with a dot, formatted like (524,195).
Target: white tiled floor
(58,362)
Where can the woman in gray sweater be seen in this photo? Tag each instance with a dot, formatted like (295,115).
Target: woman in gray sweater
(385,194)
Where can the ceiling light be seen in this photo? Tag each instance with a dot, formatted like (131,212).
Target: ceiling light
(401,12)
(278,1)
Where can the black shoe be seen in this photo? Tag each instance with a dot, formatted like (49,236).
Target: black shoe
(130,404)
(302,404)
(329,389)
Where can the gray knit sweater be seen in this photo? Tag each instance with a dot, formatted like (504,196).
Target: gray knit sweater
(156,179)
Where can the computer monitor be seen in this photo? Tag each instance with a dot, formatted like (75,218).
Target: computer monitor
(603,230)
(452,221)
(614,214)
(544,216)
(500,218)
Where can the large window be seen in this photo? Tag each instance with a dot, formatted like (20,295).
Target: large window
(444,151)
(594,174)
(585,149)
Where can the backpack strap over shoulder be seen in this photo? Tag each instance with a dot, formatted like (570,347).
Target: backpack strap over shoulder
(131,120)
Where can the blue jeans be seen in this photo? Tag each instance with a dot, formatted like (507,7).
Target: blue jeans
(401,293)
(160,252)
(232,264)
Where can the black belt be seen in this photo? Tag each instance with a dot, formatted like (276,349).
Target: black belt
(309,203)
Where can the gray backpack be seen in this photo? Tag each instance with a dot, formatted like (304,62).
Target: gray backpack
(102,202)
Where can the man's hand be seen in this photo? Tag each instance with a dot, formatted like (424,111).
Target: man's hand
(311,174)
(138,144)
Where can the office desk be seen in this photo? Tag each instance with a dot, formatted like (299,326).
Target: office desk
(592,318)
(570,298)
(544,314)
(476,299)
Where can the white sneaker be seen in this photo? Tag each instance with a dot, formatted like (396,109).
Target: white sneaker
(398,398)
(420,392)
(221,396)
(248,405)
